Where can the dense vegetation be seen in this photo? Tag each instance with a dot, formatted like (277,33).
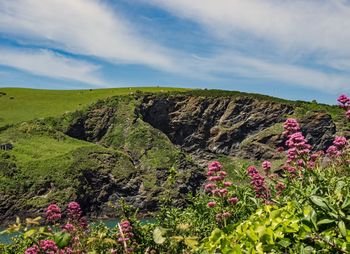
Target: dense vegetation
(303,207)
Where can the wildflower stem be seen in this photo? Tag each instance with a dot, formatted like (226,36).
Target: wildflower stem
(123,236)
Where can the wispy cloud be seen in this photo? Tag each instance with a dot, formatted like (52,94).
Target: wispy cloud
(84,27)
(226,65)
(312,25)
(303,43)
(50,64)
(275,40)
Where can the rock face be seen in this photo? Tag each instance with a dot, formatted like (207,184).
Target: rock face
(204,126)
(146,149)
(319,129)
(216,125)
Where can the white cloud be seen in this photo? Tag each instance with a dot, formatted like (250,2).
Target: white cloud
(309,25)
(290,31)
(84,27)
(50,64)
(229,64)
(275,39)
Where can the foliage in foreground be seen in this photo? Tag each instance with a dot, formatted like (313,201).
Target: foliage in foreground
(302,208)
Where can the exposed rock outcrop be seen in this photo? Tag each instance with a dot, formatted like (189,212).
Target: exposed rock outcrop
(139,149)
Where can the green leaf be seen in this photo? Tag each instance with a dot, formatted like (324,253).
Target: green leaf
(313,217)
(29,233)
(62,239)
(346,203)
(320,202)
(191,242)
(109,240)
(325,222)
(285,242)
(177,238)
(342,228)
(158,235)
(215,235)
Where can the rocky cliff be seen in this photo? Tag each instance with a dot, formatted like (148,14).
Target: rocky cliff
(147,149)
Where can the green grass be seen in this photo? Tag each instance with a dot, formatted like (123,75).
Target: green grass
(22,104)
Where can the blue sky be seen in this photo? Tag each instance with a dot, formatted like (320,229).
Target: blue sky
(294,49)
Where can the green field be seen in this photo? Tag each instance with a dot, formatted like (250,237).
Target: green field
(22,104)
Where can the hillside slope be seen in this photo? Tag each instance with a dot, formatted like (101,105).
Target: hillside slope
(145,148)
(22,104)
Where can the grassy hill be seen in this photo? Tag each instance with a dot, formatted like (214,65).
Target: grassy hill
(79,145)
(22,104)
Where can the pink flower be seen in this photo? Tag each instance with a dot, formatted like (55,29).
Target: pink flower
(215,166)
(226,214)
(290,126)
(218,217)
(223,192)
(233,200)
(127,231)
(297,146)
(258,183)
(48,246)
(228,184)
(211,204)
(125,224)
(215,192)
(266,165)
(280,186)
(121,239)
(348,114)
(222,173)
(68,228)
(53,213)
(66,250)
(74,211)
(210,173)
(340,142)
(300,163)
(343,99)
(214,178)
(83,223)
(311,164)
(32,250)
(316,155)
(252,170)
(290,169)
(209,186)
(333,151)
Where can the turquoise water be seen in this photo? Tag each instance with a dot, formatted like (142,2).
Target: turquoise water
(6,239)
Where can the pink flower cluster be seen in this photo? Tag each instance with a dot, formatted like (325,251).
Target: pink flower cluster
(344,102)
(339,144)
(266,165)
(298,148)
(47,246)
(127,231)
(32,250)
(68,228)
(53,213)
(290,126)
(314,157)
(125,234)
(74,211)
(258,183)
(279,188)
(217,186)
